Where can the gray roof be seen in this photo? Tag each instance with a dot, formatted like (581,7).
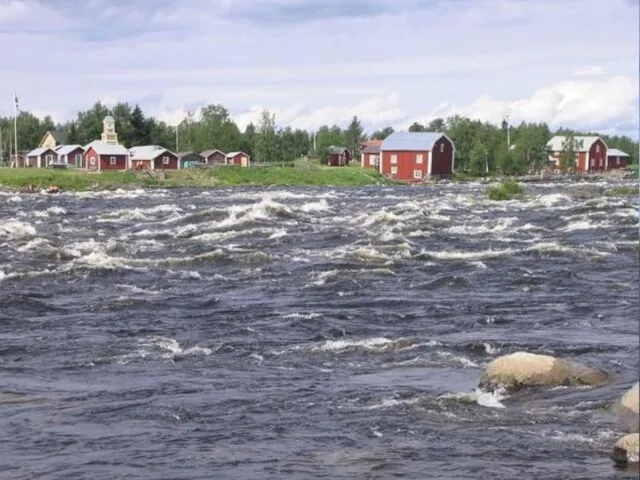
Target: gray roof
(411,141)
(337,150)
(147,152)
(233,154)
(60,136)
(208,153)
(189,154)
(103,148)
(614,152)
(67,149)
(584,142)
(39,151)
(371,149)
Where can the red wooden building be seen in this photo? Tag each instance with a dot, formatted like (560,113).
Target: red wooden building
(338,157)
(617,159)
(370,157)
(72,155)
(100,156)
(214,157)
(41,157)
(238,158)
(416,156)
(153,157)
(591,152)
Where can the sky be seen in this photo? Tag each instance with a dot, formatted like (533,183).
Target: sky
(569,63)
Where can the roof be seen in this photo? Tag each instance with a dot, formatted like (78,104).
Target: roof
(411,141)
(67,149)
(59,136)
(208,153)
(37,152)
(103,148)
(233,154)
(614,152)
(373,148)
(147,152)
(337,150)
(189,154)
(555,144)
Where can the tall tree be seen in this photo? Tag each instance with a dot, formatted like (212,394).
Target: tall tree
(353,135)
(569,153)
(266,149)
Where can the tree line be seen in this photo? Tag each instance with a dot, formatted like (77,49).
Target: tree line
(481,147)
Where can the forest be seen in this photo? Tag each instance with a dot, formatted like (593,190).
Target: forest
(481,147)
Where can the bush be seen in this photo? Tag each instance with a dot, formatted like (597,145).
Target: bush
(622,191)
(505,191)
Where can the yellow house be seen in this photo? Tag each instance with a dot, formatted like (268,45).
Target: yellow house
(53,138)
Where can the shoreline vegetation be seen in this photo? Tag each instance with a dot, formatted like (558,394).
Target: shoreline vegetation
(499,188)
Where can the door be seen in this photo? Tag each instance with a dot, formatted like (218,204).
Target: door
(244,161)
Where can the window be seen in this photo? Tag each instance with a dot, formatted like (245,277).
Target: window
(419,158)
(394,159)
(372,159)
(441,147)
(593,162)
(92,160)
(112,161)
(618,161)
(417,174)
(165,160)
(394,170)
(597,148)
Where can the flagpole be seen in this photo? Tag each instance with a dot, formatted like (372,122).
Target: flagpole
(15,125)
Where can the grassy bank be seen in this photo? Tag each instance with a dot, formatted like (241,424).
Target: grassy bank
(505,191)
(79,180)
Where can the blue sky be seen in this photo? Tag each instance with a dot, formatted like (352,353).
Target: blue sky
(312,62)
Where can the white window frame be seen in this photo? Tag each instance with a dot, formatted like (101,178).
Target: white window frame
(417,174)
(617,160)
(92,160)
(394,170)
(394,159)
(112,160)
(419,158)
(442,148)
(372,160)
(165,160)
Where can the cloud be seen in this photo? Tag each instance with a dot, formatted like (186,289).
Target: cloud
(323,61)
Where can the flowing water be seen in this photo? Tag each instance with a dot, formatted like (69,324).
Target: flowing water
(310,333)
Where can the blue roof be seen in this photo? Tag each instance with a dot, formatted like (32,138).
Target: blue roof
(410,141)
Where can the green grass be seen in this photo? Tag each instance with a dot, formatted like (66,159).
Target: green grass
(505,191)
(300,174)
(622,191)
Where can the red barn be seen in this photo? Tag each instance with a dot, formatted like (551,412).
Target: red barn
(238,158)
(153,157)
(591,152)
(416,156)
(106,156)
(338,157)
(617,159)
(370,157)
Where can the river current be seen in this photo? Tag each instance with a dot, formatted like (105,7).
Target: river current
(310,332)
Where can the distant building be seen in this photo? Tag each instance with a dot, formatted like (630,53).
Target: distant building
(190,159)
(100,156)
(72,155)
(370,156)
(416,156)
(238,158)
(53,138)
(41,157)
(338,157)
(214,157)
(617,159)
(591,152)
(153,157)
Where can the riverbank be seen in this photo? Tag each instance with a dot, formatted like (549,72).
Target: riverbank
(80,180)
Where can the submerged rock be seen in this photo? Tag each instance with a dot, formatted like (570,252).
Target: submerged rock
(628,408)
(627,450)
(523,369)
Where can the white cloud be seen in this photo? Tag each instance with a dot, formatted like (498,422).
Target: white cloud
(331,60)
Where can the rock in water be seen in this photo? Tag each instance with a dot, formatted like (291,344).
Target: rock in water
(522,369)
(628,408)
(627,450)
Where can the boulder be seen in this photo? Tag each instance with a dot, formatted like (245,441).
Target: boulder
(627,409)
(523,369)
(627,450)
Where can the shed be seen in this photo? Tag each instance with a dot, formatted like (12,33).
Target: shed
(617,159)
(191,159)
(338,156)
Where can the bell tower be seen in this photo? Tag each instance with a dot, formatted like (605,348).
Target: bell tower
(109,134)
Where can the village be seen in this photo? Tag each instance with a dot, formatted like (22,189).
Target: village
(405,156)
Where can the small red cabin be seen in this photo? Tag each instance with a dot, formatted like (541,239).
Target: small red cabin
(416,156)
(617,159)
(338,157)
(214,157)
(371,154)
(106,156)
(238,158)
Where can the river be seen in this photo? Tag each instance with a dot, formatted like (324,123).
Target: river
(310,332)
